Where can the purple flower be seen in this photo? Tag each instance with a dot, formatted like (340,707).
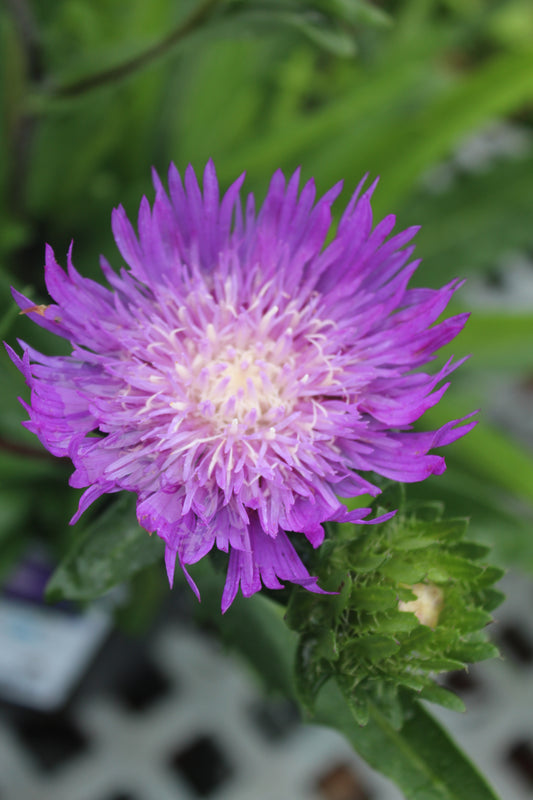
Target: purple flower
(239,376)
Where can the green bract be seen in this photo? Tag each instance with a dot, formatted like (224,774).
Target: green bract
(363,638)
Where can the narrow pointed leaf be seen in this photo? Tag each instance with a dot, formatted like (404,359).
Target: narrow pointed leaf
(420,758)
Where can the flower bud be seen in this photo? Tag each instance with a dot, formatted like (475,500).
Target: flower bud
(428,604)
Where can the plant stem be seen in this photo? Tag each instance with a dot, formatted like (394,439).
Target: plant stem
(25,450)
(114,74)
(29,38)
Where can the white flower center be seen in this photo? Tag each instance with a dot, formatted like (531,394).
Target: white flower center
(259,373)
(240,384)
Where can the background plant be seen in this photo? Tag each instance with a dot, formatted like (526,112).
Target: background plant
(95,92)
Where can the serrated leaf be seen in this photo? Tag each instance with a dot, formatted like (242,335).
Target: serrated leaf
(442,664)
(358,705)
(470,652)
(416,541)
(435,532)
(405,593)
(436,694)
(368,562)
(109,551)
(471,550)
(418,638)
(373,648)
(454,567)
(414,682)
(489,576)
(471,620)
(373,598)
(402,571)
(490,599)
(429,511)
(398,622)
(387,699)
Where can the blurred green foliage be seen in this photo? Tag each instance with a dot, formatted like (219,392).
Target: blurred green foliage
(95,92)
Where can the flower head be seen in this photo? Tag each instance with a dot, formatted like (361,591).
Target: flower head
(239,376)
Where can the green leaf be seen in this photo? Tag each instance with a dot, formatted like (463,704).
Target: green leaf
(309,673)
(358,705)
(437,531)
(443,664)
(471,550)
(489,576)
(471,620)
(326,646)
(373,647)
(403,571)
(450,566)
(420,757)
(398,622)
(374,598)
(491,599)
(471,652)
(112,549)
(443,697)
(368,562)
(387,699)
(497,519)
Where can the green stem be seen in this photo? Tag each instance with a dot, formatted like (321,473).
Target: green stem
(108,76)
(29,38)
(18,449)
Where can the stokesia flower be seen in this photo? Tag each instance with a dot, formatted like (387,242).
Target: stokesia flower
(239,376)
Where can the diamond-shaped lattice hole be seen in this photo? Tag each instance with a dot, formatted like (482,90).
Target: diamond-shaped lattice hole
(203,765)
(462,682)
(143,686)
(275,719)
(516,643)
(120,796)
(342,783)
(52,740)
(520,755)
